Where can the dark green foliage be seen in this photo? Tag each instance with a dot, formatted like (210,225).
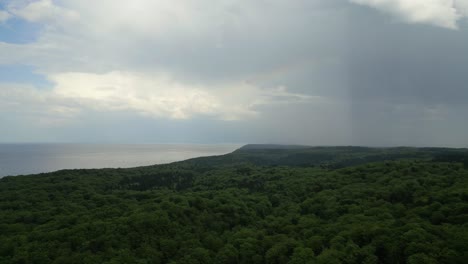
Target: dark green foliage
(300,205)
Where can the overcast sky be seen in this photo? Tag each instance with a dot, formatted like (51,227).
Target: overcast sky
(317,72)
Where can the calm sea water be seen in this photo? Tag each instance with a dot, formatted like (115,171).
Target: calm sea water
(18,159)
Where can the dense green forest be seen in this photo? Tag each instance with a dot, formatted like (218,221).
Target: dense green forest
(259,204)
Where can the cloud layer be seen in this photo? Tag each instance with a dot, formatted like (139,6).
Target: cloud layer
(287,71)
(442,13)
(156,58)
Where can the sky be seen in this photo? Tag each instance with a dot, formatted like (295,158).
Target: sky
(315,72)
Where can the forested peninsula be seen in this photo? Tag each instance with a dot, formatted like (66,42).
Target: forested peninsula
(258,204)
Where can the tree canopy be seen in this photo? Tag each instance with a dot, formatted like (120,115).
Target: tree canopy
(298,205)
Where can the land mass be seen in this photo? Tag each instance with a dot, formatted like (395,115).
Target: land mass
(258,204)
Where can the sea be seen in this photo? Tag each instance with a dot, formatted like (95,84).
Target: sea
(22,159)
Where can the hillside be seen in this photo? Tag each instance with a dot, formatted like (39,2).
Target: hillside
(259,204)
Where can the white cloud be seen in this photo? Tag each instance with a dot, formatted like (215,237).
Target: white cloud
(442,13)
(156,95)
(4,16)
(40,11)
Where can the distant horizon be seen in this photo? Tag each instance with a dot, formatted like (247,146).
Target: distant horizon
(33,158)
(21,159)
(123,143)
(234,144)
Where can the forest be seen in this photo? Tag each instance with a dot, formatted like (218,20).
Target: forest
(259,204)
